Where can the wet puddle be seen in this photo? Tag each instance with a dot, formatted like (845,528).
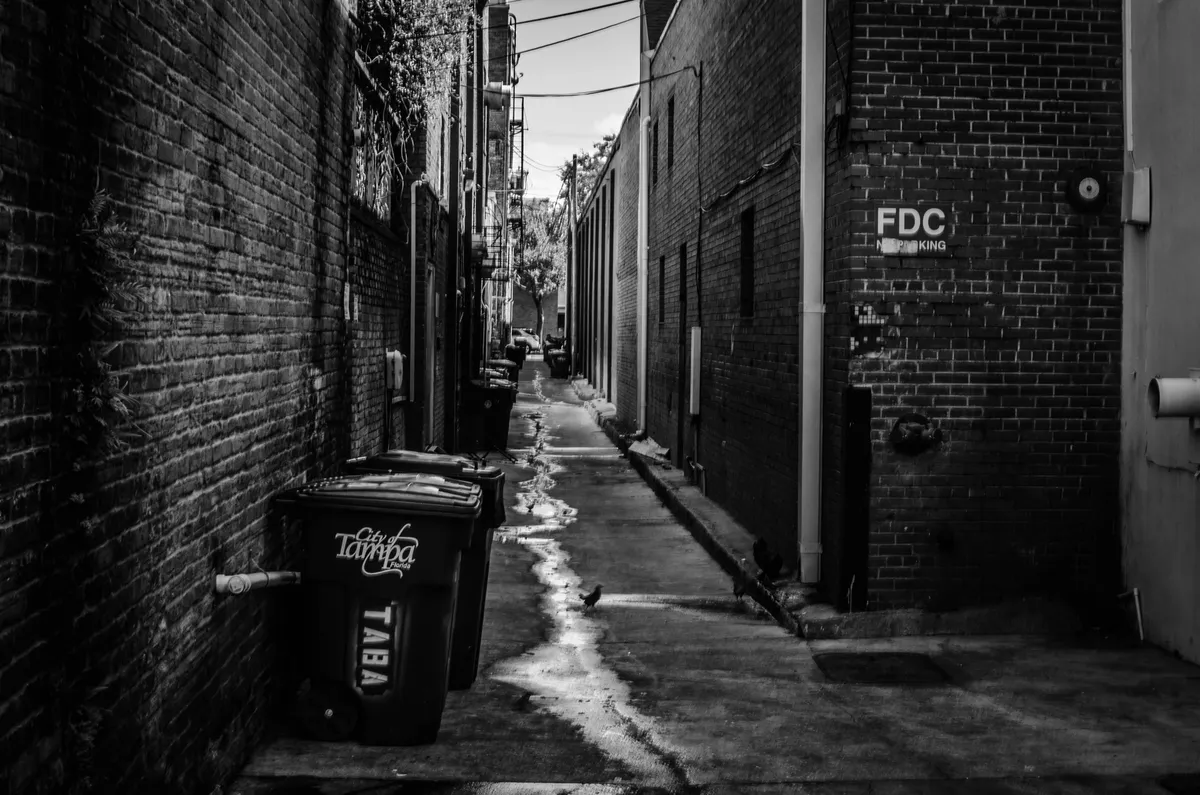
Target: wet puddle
(567,676)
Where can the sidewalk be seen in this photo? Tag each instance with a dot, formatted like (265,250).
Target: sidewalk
(793,605)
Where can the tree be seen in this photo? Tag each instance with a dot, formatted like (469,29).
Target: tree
(589,165)
(542,253)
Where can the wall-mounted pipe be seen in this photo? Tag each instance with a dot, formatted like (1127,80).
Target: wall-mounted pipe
(643,232)
(241,583)
(1175,397)
(412,287)
(812,277)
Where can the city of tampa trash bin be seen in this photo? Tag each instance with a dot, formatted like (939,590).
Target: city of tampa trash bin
(515,353)
(476,559)
(510,369)
(380,576)
(487,406)
(559,364)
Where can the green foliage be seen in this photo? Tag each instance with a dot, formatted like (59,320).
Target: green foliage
(104,294)
(541,252)
(410,48)
(588,165)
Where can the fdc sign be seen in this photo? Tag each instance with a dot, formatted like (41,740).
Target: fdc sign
(911,231)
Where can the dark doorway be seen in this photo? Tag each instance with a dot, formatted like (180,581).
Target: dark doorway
(856,514)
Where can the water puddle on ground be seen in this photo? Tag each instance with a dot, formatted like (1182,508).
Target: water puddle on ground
(567,676)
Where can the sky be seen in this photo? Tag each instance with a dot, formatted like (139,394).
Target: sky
(558,127)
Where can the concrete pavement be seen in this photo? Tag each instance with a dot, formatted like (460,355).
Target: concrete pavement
(672,685)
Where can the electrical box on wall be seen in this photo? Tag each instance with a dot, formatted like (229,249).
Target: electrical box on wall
(1135,197)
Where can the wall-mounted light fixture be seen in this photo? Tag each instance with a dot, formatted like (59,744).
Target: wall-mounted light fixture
(468,180)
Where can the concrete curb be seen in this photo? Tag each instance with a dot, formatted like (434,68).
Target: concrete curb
(717,532)
(791,606)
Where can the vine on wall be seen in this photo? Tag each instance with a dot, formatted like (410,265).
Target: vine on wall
(410,48)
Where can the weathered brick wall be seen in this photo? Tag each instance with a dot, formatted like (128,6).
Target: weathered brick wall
(747,434)
(1010,344)
(625,302)
(379,302)
(220,129)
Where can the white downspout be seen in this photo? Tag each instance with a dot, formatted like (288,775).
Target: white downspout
(412,288)
(643,231)
(812,308)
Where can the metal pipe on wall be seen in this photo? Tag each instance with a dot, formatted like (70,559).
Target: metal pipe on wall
(643,229)
(412,287)
(812,309)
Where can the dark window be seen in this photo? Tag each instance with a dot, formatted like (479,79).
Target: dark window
(654,154)
(662,290)
(682,284)
(445,165)
(670,132)
(748,262)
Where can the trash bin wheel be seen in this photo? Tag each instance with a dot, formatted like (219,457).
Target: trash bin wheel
(328,710)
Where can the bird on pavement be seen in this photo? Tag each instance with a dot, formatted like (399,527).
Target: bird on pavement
(770,562)
(739,581)
(521,704)
(590,600)
(767,582)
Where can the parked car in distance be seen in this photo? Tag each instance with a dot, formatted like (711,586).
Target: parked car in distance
(526,339)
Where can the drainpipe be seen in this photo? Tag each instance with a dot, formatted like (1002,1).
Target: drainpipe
(643,244)
(812,308)
(412,288)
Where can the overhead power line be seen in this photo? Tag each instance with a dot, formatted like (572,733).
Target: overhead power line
(564,41)
(610,88)
(520,22)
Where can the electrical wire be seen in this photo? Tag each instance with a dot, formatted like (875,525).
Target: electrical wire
(793,149)
(518,22)
(564,41)
(610,88)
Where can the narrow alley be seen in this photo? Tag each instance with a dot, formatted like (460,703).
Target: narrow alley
(670,684)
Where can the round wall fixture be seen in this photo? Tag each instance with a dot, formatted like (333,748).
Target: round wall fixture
(1085,189)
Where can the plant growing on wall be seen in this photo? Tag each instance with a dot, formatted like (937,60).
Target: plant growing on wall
(104,294)
(541,254)
(410,48)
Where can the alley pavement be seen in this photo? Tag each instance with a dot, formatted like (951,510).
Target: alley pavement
(671,684)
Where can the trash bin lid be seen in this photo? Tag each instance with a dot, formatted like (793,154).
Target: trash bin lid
(502,363)
(402,492)
(442,464)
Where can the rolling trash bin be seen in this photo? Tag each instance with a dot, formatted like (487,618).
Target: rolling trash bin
(381,572)
(476,559)
(487,407)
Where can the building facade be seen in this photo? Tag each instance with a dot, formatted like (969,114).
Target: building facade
(957,170)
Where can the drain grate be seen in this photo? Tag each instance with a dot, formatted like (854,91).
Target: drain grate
(1181,783)
(879,668)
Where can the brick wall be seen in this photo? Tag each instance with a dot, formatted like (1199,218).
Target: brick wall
(747,434)
(220,129)
(1010,343)
(626,298)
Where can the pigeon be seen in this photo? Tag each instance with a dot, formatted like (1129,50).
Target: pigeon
(522,703)
(739,581)
(767,582)
(591,599)
(770,562)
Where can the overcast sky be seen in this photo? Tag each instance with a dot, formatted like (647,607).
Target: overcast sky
(560,126)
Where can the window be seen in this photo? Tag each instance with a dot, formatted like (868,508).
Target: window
(662,290)
(670,132)
(654,154)
(748,262)
(445,165)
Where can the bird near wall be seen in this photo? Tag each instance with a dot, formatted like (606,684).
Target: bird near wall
(739,581)
(589,600)
(769,561)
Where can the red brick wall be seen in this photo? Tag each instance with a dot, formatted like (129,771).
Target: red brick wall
(747,434)
(1010,345)
(220,128)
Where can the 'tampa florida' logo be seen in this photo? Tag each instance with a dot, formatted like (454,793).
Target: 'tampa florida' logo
(380,554)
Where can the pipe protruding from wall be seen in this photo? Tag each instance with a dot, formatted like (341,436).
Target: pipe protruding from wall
(1175,397)
(235,584)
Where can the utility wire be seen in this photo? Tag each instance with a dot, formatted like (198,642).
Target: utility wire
(610,88)
(564,41)
(518,22)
